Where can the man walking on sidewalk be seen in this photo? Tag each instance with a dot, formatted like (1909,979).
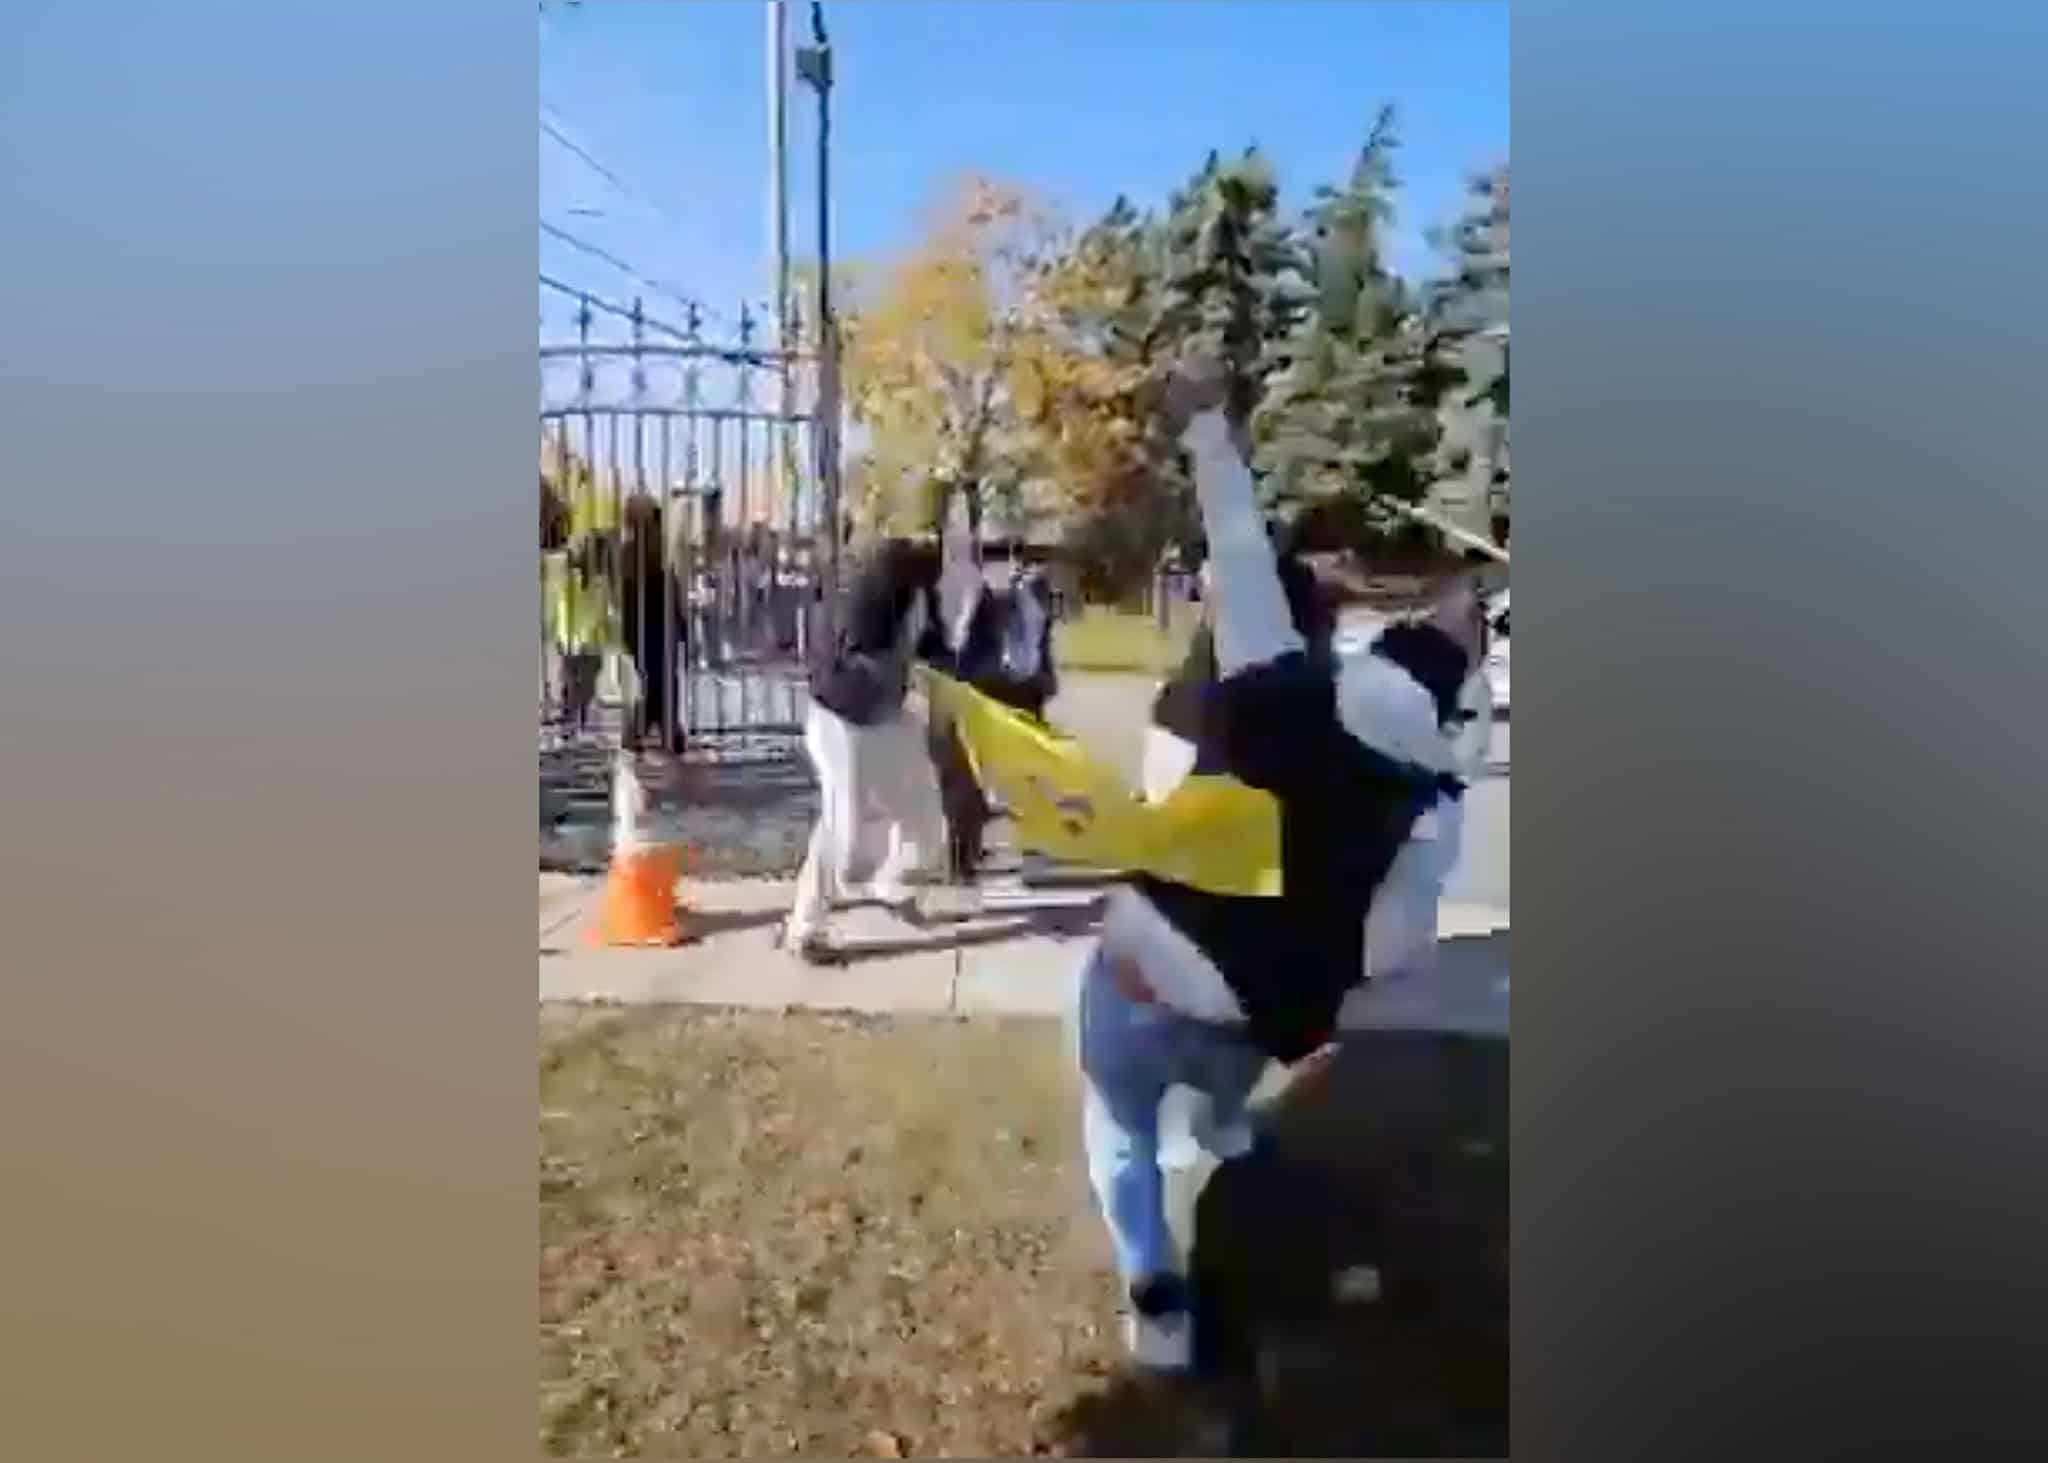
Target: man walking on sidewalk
(878,797)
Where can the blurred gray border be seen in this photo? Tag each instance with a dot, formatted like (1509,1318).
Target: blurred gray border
(268,1042)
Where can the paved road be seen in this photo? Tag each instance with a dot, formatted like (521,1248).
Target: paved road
(1482,873)
(1110,713)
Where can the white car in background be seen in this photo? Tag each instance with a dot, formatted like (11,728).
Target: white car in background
(1497,650)
(1361,627)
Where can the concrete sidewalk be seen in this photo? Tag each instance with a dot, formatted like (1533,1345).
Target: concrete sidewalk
(1020,956)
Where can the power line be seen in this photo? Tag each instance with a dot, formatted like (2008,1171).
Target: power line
(590,160)
(558,132)
(707,312)
(596,165)
(613,307)
(556,231)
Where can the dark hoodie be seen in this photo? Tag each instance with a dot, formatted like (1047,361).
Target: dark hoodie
(864,675)
(980,661)
(1178,706)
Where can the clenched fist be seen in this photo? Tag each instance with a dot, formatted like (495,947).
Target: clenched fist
(1198,385)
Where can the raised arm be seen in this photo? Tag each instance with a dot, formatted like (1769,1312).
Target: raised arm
(1270,712)
(1252,622)
(960,580)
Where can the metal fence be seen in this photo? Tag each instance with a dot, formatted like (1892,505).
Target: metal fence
(704,467)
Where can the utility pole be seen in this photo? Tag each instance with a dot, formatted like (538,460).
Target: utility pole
(814,66)
(778,229)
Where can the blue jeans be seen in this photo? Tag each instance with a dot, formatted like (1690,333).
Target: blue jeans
(1130,1054)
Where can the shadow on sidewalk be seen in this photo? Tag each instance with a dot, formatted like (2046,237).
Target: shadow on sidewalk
(1069,921)
(706,924)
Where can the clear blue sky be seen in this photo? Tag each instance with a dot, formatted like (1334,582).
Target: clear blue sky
(1077,99)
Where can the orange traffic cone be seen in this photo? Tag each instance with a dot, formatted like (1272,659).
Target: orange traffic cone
(640,887)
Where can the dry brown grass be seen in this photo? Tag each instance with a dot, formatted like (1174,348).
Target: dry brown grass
(1107,640)
(768,1234)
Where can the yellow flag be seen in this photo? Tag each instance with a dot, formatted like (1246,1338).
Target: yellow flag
(1213,833)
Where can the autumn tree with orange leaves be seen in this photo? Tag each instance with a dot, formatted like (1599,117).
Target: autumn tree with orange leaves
(933,350)
(1096,339)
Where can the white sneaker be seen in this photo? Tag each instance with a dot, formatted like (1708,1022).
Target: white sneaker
(1161,1343)
(809,946)
(896,898)
(1159,1327)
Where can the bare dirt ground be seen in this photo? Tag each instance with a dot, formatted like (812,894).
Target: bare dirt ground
(769,1234)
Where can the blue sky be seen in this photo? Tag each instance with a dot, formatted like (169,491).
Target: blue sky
(1076,99)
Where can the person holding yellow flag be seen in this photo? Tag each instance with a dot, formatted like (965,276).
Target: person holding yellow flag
(1327,762)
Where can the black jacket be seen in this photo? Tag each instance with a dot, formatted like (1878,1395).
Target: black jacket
(1178,706)
(979,661)
(1345,811)
(863,675)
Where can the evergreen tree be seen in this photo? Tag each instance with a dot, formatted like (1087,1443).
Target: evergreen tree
(1233,285)
(1236,278)
(1468,313)
(1347,426)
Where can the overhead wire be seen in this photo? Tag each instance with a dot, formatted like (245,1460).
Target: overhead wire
(558,131)
(630,271)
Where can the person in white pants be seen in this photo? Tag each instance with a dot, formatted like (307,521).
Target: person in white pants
(878,793)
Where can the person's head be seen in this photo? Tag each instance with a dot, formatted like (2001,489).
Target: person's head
(1377,687)
(1200,384)
(1314,618)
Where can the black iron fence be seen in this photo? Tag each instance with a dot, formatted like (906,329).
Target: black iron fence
(682,561)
